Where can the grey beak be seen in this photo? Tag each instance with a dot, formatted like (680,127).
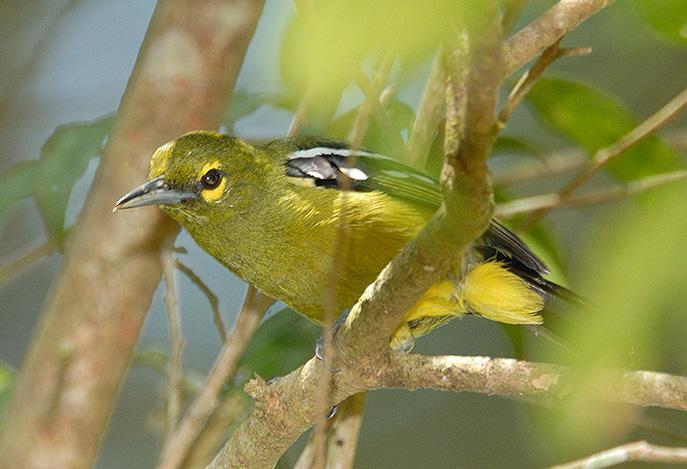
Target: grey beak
(155,192)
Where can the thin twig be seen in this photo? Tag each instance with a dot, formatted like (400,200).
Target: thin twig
(355,136)
(603,156)
(230,409)
(560,161)
(210,295)
(428,116)
(553,200)
(637,451)
(180,442)
(530,77)
(25,260)
(299,115)
(176,341)
(371,102)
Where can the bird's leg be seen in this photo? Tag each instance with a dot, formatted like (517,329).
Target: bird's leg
(319,345)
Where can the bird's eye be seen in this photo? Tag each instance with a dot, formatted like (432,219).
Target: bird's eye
(211,179)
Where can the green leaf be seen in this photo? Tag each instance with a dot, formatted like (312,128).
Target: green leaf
(50,179)
(7,377)
(64,158)
(282,343)
(667,17)
(17,183)
(592,120)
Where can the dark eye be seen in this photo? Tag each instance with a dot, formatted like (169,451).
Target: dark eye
(211,179)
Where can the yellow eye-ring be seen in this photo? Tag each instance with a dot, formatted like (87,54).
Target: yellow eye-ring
(213,183)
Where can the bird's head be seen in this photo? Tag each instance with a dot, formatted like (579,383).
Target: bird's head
(198,174)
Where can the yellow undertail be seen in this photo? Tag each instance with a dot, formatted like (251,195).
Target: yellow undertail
(489,290)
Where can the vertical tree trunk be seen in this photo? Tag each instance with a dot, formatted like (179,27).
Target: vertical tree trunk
(184,74)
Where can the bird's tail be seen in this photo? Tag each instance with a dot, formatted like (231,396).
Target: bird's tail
(490,289)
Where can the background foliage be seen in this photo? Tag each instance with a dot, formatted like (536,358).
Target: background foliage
(68,65)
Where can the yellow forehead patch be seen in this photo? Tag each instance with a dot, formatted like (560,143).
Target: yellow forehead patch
(160,159)
(213,195)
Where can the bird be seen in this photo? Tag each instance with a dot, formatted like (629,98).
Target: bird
(272,214)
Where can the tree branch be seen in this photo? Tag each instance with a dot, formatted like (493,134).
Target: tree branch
(505,376)
(428,116)
(343,438)
(637,451)
(529,78)
(210,295)
(553,200)
(64,395)
(555,23)
(180,442)
(176,343)
(287,407)
(26,259)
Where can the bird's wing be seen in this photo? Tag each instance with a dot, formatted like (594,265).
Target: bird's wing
(333,164)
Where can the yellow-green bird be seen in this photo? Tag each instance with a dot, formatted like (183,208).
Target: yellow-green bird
(272,214)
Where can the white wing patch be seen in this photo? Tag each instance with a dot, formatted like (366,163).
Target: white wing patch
(326,151)
(354,173)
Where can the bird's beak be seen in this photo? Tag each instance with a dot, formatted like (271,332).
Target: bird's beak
(155,192)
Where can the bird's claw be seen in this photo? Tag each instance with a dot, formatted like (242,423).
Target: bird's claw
(319,345)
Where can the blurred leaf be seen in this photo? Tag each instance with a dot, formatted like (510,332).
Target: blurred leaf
(326,42)
(509,145)
(244,103)
(592,120)
(667,17)
(282,343)
(7,378)
(516,335)
(386,131)
(64,158)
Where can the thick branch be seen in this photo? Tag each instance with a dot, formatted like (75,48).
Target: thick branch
(555,23)
(288,407)
(505,376)
(184,74)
